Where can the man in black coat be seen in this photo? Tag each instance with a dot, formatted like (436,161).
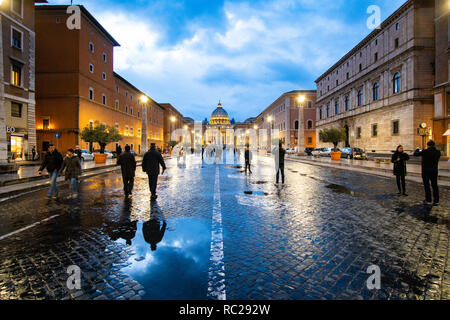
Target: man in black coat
(430,167)
(279,162)
(52,162)
(247,160)
(127,162)
(150,165)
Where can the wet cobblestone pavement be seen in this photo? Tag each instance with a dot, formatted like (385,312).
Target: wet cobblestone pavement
(215,232)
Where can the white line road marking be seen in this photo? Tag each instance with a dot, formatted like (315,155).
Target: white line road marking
(28,227)
(216,281)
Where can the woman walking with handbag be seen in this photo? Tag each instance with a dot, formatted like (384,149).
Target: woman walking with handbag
(72,168)
(399,159)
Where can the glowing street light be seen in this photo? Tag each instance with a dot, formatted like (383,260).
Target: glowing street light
(173,119)
(144,99)
(144,140)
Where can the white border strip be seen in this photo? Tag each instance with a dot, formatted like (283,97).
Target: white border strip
(216,282)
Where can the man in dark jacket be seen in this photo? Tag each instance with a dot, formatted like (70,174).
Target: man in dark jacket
(279,162)
(78,153)
(52,162)
(127,162)
(150,165)
(430,164)
(118,151)
(247,160)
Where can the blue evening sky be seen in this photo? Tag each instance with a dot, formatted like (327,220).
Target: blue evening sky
(192,53)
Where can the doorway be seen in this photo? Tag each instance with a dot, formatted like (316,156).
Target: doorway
(347,136)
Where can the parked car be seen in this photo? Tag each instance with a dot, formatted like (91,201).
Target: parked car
(359,154)
(327,152)
(86,155)
(309,151)
(354,153)
(290,151)
(317,152)
(109,155)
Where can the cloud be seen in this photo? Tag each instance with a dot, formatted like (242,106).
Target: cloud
(246,53)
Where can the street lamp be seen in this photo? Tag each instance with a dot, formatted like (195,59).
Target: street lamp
(301,127)
(144,142)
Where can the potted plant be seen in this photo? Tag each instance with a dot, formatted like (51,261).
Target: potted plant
(101,134)
(334,136)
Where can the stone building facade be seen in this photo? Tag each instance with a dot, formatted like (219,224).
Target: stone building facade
(17,79)
(441,120)
(283,114)
(75,92)
(382,90)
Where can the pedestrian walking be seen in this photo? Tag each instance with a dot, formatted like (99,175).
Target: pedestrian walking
(118,150)
(127,162)
(72,170)
(399,159)
(52,162)
(78,153)
(430,169)
(33,153)
(150,165)
(247,160)
(279,162)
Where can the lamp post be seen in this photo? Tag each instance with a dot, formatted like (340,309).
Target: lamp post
(301,127)
(144,141)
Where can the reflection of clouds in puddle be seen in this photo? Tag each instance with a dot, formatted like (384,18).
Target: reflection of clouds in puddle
(187,238)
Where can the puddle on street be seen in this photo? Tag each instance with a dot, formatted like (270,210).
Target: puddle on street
(341,189)
(258,182)
(170,262)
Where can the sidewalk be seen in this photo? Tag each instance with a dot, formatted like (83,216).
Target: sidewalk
(29,173)
(371,167)
(28,180)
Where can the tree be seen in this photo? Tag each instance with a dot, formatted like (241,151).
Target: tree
(233,121)
(172,144)
(333,135)
(102,134)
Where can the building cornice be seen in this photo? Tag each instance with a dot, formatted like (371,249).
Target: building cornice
(369,37)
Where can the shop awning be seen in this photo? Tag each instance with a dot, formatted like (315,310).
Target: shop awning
(447,133)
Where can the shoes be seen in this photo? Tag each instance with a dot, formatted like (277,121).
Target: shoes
(435,204)
(426,202)
(405,195)
(399,194)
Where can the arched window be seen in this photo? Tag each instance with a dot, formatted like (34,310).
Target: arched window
(397,83)
(347,103)
(360,98)
(376,90)
(328,110)
(310,125)
(296,124)
(336,107)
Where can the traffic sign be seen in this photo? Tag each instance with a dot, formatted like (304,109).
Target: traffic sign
(58,135)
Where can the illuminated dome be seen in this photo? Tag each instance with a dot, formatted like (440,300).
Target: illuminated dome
(219,116)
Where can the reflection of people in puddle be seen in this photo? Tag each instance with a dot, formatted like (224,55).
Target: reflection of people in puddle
(125,228)
(153,232)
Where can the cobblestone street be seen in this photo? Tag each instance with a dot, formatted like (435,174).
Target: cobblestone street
(215,232)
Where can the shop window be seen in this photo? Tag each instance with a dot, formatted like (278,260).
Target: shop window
(16,110)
